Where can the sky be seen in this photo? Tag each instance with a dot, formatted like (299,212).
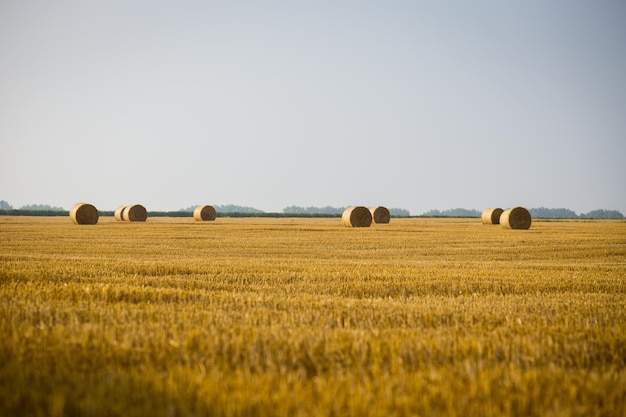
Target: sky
(417,105)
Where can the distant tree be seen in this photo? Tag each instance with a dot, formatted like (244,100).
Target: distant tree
(457,212)
(602,214)
(41,207)
(293,210)
(233,208)
(5,206)
(552,213)
(399,212)
(334,210)
(228,208)
(313,210)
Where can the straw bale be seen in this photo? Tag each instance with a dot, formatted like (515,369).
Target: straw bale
(356,216)
(491,215)
(118,213)
(84,213)
(204,213)
(134,213)
(516,218)
(380,214)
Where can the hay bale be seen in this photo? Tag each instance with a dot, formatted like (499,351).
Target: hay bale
(491,215)
(357,216)
(204,213)
(123,213)
(380,214)
(83,213)
(118,213)
(516,218)
(134,213)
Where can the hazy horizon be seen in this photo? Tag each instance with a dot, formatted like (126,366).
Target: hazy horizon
(540,212)
(411,105)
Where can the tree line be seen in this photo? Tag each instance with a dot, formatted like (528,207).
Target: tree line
(326,211)
(398,212)
(539,213)
(228,208)
(562,213)
(30,207)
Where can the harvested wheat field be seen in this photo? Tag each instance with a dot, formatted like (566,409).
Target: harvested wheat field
(301,317)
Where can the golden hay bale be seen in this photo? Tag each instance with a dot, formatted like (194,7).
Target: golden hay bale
(118,213)
(491,215)
(204,213)
(516,218)
(134,213)
(380,214)
(83,213)
(357,216)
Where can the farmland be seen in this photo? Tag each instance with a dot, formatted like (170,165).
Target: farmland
(298,317)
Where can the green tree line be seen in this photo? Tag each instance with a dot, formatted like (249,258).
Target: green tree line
(228,208)
(234,210)
(30,207)
(398,212)
(540,213)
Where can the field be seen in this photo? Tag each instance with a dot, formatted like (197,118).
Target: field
(299,317)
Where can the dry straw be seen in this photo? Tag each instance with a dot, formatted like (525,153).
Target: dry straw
(516,218)
(380,214)
(118,213)
(134,213)
(357,216)
(83,213)
(204,213)
(491,215)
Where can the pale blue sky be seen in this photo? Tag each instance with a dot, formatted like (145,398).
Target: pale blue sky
(411,104)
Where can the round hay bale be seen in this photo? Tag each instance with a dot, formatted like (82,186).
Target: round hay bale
(491,215)
(134,213)
(122,213)
(357,216)
(516,218)
(118,213)
(204,213)
(83,213)
(380,214)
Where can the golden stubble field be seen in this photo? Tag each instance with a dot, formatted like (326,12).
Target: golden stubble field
(299,317)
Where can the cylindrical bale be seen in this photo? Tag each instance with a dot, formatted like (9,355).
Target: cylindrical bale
(134,213)
(516,218)
(380,214)
(491,215)
(118,213)
(204,213)
(84,213)
(357,216)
